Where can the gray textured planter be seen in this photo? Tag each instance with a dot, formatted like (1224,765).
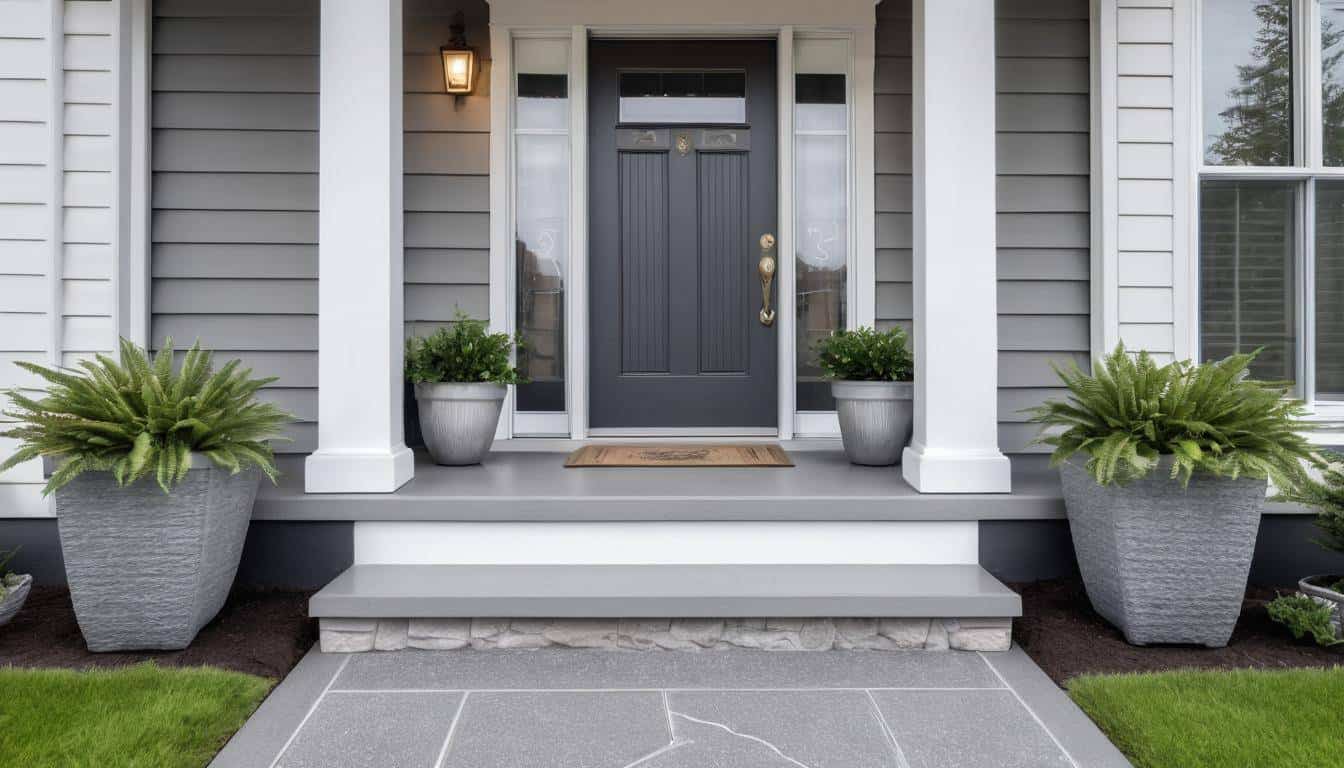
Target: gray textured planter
(1162,563)
(458,421)
(876,418)
(148,570)
(16,593)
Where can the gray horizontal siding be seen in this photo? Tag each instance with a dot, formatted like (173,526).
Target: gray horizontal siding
(1044,226)
(447,182)
(235,148)
(234,222)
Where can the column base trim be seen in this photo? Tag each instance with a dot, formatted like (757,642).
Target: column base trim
(330,472)
(938,471)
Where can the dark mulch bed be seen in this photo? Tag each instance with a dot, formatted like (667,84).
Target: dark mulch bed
(258,632)
(1061,632)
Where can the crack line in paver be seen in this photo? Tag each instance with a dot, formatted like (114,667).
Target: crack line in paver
(672,743)
(661,751)
(325,690)
(886,728)
(667,709)
(452,727)
(738,734)
(1027,707)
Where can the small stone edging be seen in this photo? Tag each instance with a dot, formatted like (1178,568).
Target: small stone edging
(338,635)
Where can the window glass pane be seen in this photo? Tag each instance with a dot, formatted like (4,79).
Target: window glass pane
(542,102)
(820,101)
(542,249)
(683,97)
(1332,81)
(821,228)
(541,213)
(1330,290)
(1248,90)
(1246,274)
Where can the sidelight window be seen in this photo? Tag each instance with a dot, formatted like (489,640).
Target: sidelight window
(541,218)
(821,203)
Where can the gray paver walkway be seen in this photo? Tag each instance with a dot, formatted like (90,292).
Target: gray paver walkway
(567,708)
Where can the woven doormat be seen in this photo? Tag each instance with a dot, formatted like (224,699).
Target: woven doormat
(726,455)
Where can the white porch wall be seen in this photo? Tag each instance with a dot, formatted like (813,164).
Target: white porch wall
(1145,292)
(58,209)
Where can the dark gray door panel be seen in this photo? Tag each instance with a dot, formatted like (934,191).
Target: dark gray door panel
(676,213)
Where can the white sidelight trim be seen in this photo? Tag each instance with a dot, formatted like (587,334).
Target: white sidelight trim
(786,291)
(862,277)
(955,444)
(361,448)
(668,542)
(501,196)
(576,281)
(133,130)
(55,341)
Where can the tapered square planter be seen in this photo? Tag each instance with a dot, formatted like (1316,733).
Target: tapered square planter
(1163,563)
(146,569)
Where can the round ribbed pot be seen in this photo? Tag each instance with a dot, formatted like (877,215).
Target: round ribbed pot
(16,592)
(1165,564)
(147,569)
(458,421)
(876,418)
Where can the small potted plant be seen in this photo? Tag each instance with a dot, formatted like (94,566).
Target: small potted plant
(871,373)
(154,470)
(1319,608)
(1165,471)
(461,375)
(13,588)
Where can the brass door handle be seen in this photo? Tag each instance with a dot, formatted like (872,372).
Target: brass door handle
(766,267)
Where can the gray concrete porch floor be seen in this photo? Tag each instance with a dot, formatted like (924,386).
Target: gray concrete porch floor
(721,709)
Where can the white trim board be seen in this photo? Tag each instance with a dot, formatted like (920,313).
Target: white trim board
(658,543)
(849,20)
(692,18)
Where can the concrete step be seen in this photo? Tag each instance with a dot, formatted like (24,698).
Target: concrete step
(664,591)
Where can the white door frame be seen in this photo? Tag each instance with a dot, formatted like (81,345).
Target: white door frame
(846,19)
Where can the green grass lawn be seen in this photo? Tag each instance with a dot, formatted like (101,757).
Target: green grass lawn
(141,716)
(1236,719)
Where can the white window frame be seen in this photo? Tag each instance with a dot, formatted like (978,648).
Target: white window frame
(1307,146)
(861,284)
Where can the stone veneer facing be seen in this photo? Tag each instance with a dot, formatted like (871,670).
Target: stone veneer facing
(356,635)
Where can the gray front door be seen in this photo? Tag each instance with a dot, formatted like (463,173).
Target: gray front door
(682,187)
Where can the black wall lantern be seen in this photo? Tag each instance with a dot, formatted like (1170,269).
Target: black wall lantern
(459,60)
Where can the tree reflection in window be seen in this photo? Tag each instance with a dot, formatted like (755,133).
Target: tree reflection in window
(1251,122)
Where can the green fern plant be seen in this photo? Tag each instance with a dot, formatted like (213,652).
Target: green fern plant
(1209,418)
(136,417)
(1326,496)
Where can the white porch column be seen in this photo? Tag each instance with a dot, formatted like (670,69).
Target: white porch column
(955,445)
(361,448)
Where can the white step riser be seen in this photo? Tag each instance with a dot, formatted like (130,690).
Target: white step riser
(657,543)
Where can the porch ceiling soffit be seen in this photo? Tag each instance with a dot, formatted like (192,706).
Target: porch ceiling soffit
(684,15)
